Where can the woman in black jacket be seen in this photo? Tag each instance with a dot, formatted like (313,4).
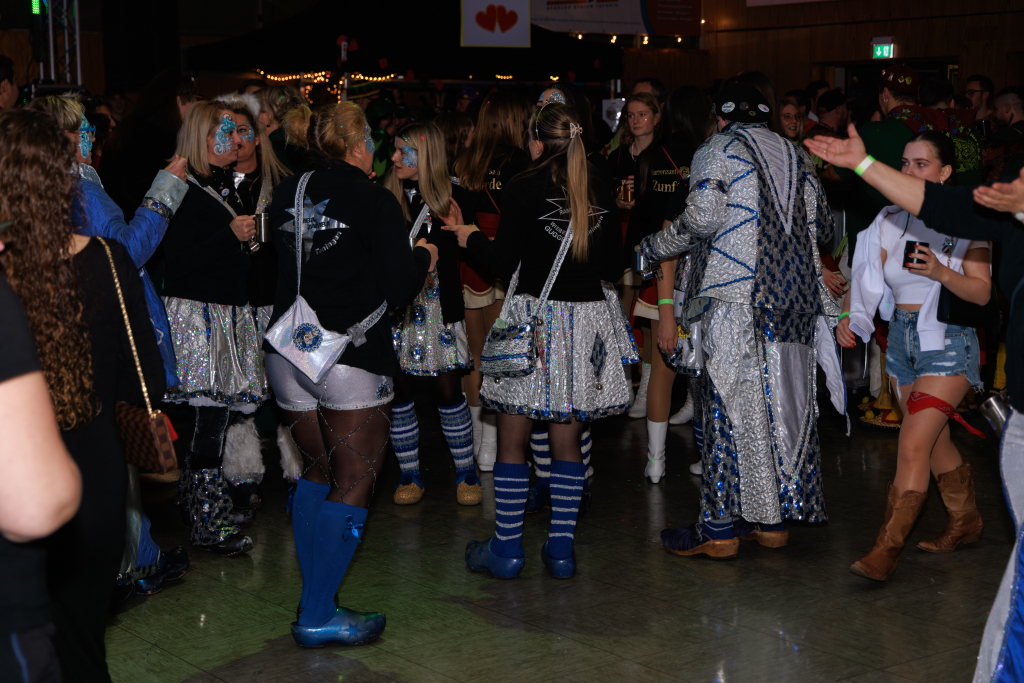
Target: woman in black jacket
(430,336)
(213,328)
(582,336)
(356,263)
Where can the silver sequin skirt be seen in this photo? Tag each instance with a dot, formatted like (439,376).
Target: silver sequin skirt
(218,352)
(584,347)
(425,345)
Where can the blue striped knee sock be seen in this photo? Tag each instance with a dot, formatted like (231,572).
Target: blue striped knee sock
(566,490)
(541,452)
(457,426)
(585,447)
(511,483)
(405,437)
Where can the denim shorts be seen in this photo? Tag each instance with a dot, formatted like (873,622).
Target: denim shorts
(906,361)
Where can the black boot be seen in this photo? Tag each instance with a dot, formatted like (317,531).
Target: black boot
(213,522)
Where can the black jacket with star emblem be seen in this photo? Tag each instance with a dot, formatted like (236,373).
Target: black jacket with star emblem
(358,257)
(534,218)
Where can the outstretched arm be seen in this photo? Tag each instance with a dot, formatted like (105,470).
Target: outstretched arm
(901,189)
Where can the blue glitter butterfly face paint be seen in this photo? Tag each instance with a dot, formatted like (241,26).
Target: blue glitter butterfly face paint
(410,157)
(85,137)
(368,140)
(247,133)
(223,135)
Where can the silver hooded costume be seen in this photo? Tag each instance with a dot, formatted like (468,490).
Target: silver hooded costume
(754,216)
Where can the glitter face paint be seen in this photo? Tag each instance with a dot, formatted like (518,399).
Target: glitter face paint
(555,96)
(368,140)
(224,130)
(247,133)
(410,157)
(85,137)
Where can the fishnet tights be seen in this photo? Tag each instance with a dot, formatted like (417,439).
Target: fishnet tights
(341,461)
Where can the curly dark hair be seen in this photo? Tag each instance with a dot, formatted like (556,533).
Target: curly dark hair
(34,163)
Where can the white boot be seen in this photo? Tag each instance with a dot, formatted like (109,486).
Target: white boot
(639,408)
(656,433)
(488,443)
(478,428)
(685,413)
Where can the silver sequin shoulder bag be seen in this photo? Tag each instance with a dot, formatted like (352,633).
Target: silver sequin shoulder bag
(510,349)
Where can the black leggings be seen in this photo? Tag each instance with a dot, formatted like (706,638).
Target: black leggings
(514,439)
(207,448)
(343,448)
(446,389)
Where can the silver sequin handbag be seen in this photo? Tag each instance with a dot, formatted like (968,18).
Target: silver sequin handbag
(298,335)
(510,349)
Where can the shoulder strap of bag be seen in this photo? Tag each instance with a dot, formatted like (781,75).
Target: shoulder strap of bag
(358,331)
(672,162)
(492,199)
(300,225)
(210,191)
(548,284)
(128,326)
(419,221)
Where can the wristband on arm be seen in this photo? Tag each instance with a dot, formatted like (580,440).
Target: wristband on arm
(662,302)
(864,165)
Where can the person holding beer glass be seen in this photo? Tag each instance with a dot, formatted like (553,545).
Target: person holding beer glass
(899,268)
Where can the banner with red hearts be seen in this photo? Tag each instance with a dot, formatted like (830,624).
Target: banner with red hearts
(496,23)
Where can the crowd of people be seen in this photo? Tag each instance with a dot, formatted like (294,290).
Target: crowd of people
(278,265)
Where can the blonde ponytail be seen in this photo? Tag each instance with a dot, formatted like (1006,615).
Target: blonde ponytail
(578,187)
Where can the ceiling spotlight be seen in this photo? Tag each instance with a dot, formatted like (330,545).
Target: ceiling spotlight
(702,21)
(679,39)
(645,40)
(614,38)
(580,36)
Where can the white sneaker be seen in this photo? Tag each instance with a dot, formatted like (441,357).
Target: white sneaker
(639,408)
(488,452)
(697,468)
(685,414)
(656,433)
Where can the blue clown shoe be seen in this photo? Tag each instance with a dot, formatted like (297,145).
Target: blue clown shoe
(479,557)
(346,627)
(768,535)
(539,497)
(560,569)
(692,541)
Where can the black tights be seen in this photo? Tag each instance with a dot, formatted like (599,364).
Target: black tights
(343,448)
(446,389)
(514,439)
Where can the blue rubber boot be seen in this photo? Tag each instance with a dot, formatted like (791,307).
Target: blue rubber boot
(480,557)
(346,627)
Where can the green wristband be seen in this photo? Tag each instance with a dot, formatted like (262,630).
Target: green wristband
(664,301)
(842,315)
(864,165)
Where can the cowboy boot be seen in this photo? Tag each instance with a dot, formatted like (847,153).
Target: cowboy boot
(901,511)
(964,525)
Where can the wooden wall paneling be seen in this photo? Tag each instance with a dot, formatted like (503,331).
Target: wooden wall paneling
(673,67)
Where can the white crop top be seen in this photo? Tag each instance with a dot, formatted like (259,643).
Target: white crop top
(909,287)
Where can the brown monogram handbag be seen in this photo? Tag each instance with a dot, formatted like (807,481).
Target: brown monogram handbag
(147,434)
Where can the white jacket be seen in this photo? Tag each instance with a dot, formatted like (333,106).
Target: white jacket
(869,291)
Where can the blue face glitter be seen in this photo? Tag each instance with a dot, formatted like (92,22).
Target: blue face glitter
(224,130)
(368,140)
(410,157)
(247,133)
(85,137)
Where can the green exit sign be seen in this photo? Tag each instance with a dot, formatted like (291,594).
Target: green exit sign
(882,51)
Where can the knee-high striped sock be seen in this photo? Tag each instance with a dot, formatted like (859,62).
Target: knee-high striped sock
(566,489)
(405,437)
(511,483)
(585,448)
(541,452)
(457,426)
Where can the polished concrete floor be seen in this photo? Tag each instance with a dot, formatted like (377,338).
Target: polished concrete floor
(632,613)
